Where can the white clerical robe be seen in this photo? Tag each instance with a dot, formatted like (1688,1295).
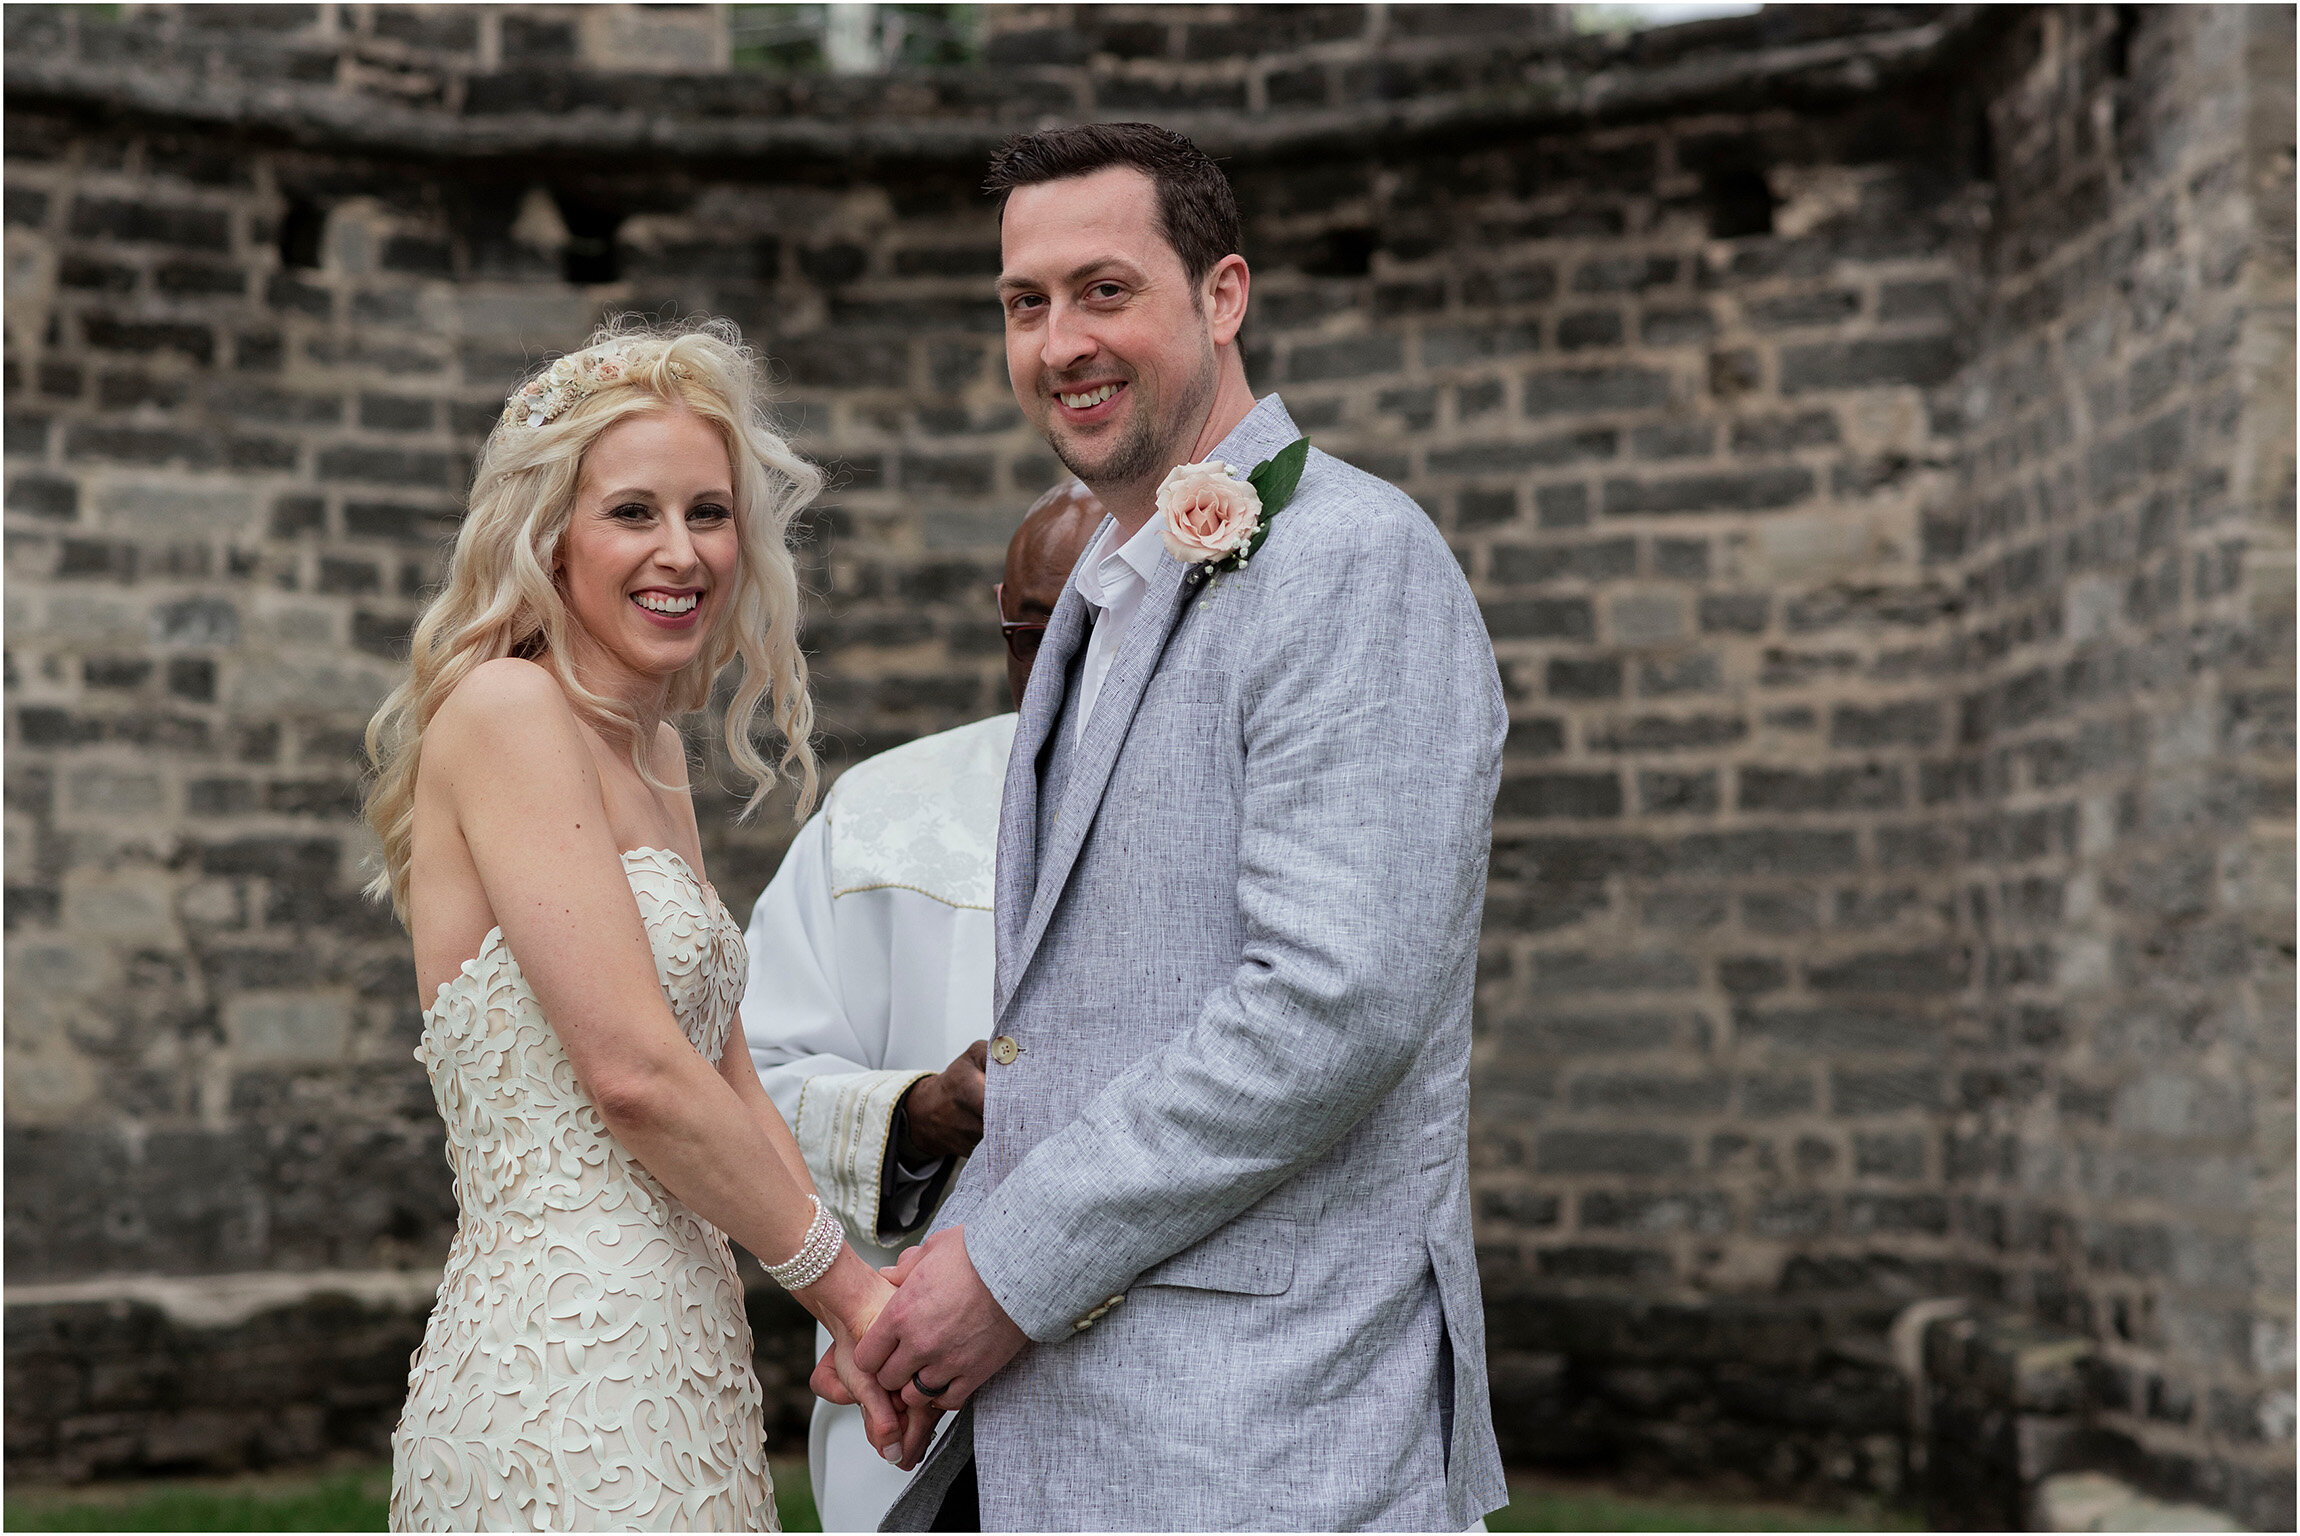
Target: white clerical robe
(871,964)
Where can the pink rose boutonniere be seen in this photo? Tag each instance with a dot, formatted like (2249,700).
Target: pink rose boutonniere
(1212,520)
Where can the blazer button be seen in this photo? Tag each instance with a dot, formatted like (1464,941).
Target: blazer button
(1004,1049)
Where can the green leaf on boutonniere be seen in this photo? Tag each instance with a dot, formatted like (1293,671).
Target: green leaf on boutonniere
(1274,480)
(1275,477)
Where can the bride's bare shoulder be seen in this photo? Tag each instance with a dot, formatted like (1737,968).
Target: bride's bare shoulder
(504,703)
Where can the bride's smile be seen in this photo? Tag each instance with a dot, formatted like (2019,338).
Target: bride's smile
(651,547)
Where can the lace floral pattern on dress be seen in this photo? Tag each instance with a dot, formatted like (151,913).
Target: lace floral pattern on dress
(588,1364)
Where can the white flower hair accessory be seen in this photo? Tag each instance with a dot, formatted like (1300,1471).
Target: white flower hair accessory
(557,388)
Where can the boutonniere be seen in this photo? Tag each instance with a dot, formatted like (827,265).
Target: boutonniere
(1210,519)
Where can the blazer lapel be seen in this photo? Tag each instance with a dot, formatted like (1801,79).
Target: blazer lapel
(1030,884)
(1097,754)
(1017,867)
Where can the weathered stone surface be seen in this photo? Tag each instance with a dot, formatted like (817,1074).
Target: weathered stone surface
(2094,1501)
(1868,433)
(289,1029)
(149,1382)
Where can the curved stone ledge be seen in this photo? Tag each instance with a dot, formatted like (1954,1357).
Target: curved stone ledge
(227,1301)
(1542,84)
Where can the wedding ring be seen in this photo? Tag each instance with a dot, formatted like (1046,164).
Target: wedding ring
(931,1392)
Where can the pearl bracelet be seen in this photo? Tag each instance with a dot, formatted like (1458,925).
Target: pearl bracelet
(816,1255)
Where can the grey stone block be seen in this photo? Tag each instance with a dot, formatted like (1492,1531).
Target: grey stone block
(1920,361)
(1579,795)
(1724,491)
(1575,391)
(1566,971)
(1837,1030)
(1638,1153)
(1594,678)
(1551,618)
(150,222)
(1350,358)
(1601,560)
(1664,793)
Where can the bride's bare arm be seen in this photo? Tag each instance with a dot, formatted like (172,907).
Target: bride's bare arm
(736,1067)
(526,797)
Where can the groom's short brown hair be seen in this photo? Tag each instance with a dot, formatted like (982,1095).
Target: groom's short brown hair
(1197,211)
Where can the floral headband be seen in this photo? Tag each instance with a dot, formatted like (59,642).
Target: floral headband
(557,388)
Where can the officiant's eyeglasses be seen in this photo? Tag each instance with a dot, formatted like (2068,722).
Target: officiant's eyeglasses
(1021,635)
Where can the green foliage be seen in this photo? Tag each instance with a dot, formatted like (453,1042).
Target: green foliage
(933,36)
(789,39)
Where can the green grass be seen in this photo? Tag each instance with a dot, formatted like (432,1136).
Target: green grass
(352,1500)
(355,1500)
(795,1497)
(1543,1503)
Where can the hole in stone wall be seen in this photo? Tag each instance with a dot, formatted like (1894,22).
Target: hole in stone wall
(1342,253)
(589,255)
(1740,202)
(301,230)
(2119,45)
(1983,147)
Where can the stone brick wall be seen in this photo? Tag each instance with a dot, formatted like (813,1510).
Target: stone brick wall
(1869,432)
(2115,787)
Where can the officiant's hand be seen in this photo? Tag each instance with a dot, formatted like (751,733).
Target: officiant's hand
(944,1111)
(943,1329)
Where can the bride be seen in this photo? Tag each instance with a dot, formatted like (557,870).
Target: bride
(588,1363)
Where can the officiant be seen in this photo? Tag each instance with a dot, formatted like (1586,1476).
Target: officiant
(868,1003)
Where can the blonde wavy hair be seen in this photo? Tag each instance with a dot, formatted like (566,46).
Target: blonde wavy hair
(500,599)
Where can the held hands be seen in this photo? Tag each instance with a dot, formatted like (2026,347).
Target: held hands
(895,1430)
(942,1329)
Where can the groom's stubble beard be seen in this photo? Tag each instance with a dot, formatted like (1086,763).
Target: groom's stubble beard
(1155,440)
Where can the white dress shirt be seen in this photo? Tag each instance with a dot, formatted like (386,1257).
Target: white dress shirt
(1112,581)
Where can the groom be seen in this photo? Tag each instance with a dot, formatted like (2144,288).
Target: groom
(1211,1267)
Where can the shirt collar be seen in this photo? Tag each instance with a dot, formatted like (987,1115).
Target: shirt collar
(1142,551)
(1106,573)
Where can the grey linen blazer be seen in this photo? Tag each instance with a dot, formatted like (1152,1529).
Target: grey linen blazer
(1237,945)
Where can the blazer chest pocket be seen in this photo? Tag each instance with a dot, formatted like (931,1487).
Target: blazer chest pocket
(1251,1256)
(1194,701)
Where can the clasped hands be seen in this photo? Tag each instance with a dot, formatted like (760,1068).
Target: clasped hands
(942,1329)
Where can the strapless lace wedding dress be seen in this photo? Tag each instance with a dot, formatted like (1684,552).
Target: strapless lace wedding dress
(588,1364)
